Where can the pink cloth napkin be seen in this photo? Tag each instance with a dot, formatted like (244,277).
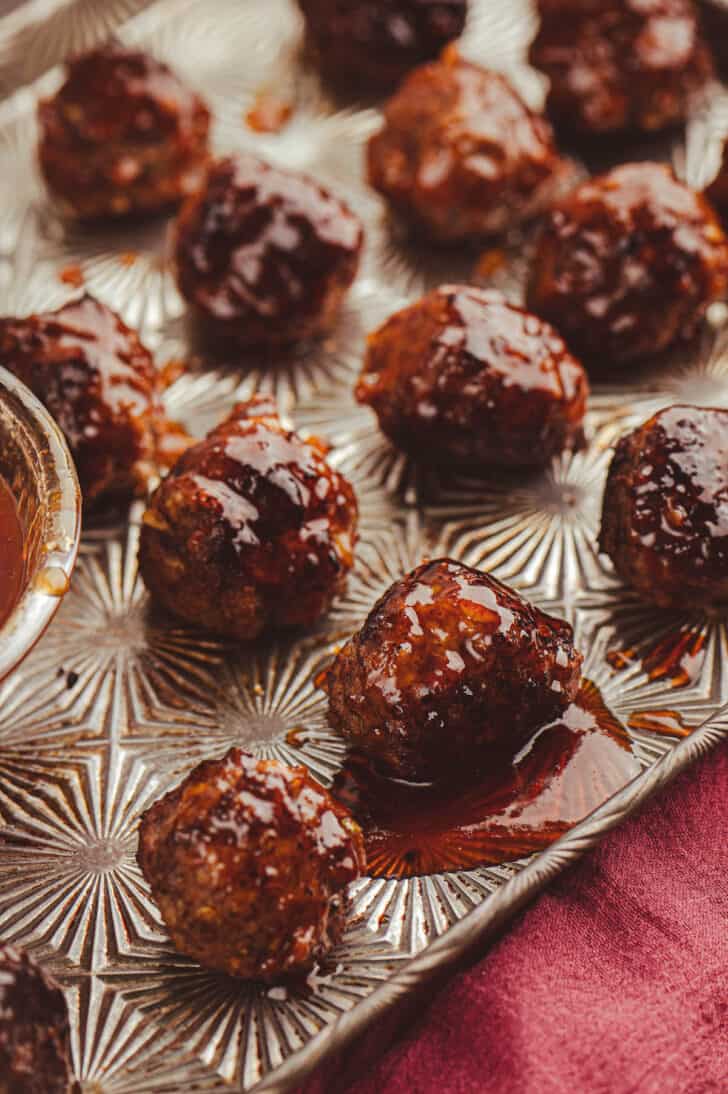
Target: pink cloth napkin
(615,981)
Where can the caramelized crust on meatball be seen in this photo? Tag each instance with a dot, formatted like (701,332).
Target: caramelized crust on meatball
(620,66)
(265,256)
(665,512)
(98,381)
(369,45)
(251,529)
(628,263)
(123,135)
(248,861)
(461,154)
(35,1050)
(463,378)
(449,667)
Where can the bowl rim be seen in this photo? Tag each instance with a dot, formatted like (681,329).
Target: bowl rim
(45,588)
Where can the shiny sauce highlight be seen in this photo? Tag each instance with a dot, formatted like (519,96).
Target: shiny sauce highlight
(519,806)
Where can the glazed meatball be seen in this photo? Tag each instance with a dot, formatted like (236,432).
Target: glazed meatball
(122,136)
(620,66)
(369,45)
(251,529)
(450,667)
(98,381)
(35,1051)
(665,513)
(460,153)
(265,256)
(248,861)
(463,378)
(627,264)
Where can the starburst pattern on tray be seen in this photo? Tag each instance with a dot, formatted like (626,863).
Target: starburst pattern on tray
(67,855)
(536,531)
(110,664)
(660,671)
(243,1030)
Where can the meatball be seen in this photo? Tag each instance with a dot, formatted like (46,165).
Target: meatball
(35,1050)
(463,378)
(665,512)
(450,667)
(248,861)
(620,66)
(628,263)
(460,153)
(251,528)
(122,136)
(99,382)
(369,45)
(265,256)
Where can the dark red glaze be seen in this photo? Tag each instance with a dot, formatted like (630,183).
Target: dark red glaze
(463,378)
(248,861)
(251,528)
(665,513)
(449,668)
(676,658)
(714,16)
(98,381)
(627,265)
(265,256)
(460,153)
(521,805)
(369,45)
(620,66)
(35,1049)
(123,135)
(12,560)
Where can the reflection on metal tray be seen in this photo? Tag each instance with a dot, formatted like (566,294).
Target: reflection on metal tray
(116,702)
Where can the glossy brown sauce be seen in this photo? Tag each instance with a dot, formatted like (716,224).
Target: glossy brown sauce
(12,562)
(522,805)
(677,658)
(669,723)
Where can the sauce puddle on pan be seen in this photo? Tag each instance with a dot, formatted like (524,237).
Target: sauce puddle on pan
(518,806)
(11,553)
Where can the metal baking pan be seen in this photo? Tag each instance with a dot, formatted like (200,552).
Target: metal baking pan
(116,702)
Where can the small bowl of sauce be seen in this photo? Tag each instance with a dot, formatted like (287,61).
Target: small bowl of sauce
(40,520)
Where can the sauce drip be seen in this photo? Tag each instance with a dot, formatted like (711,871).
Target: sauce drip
(669,723)
(11,553)
(677,658)
(521,805)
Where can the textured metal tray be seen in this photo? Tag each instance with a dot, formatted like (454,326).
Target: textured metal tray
(116,702)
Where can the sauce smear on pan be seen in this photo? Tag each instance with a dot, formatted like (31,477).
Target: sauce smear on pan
(11,553)
(520,805)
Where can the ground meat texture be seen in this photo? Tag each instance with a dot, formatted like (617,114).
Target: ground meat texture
(627,265)
(620,66)
(463,378)
(369,45)
(248,861)
(450,667)
(460,154)
(265,256)
(35,1051)
(251,529)
(665,512)
(122,136)
(98,381)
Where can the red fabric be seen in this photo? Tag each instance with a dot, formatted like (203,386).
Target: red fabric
(615,981)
